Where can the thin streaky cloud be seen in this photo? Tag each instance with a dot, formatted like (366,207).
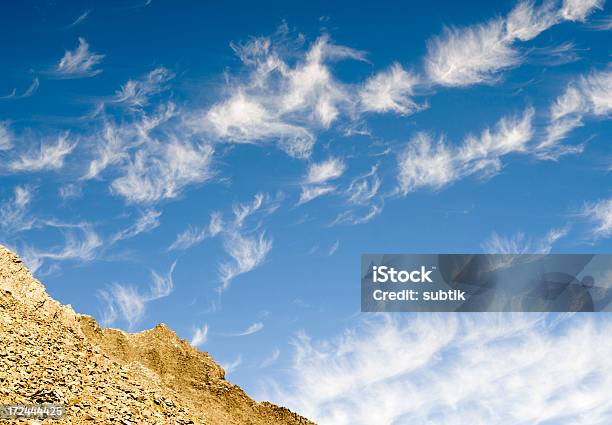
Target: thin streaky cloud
(200,336)
(271,359)
(603,24)
(279,101)
(321,172)
(136,93)
(254,328)
(80,19)
(195,234)
(161,285)
(520,247)
(434,164)
(243,211)
(70,191)
(147,221)
(122,301)
(312,192)
(47,156)
(391,90)
(521,244)
(231,367)
(14,213)
(318,174)
(599,213)
(579,10)
(587,96)
(188,238)
(162,171)
(473,55)
(333,248)
(6,137)
(246,248)
(246,253)
(32,88)
(374,372)
(477,54)
(354,217)
(113,143)
(79,63)
(363,189)
(82,243)
(127,302)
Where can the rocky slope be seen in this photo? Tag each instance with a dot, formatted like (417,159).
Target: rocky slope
(50,354)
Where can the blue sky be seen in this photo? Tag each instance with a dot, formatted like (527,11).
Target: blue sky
(220,168)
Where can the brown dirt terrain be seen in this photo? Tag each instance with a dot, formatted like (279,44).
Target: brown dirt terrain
(50,354)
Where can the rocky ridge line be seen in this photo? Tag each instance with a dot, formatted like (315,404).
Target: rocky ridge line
(50,354)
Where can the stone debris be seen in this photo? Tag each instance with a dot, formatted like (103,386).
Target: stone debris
(50,354)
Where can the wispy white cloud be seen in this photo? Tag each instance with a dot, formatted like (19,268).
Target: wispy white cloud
(324,171)
(600,214)
(122,301)
(603,24)
(6,138)
(333,248)
(245,120)
(14,213)
(579,10)
(110,149)
(254,328)
(589,95)
(318,174)
(445,369)
(147,221)
(472,55)
(194,234)
(161,171)
(47,156)
(364,202)
(243,211)
(136,93)
(280,101)
(521,244)
(79,63)
(70,191)
(247,252)
(247,249)
(128,303)
(81,243)
(80,19)
(364,188)
(230,367)
(32,88)
(112,144)
(200,336)
(526,20)
(161,285)
(426,163)
(390,91)
(477,54)
(188,238)
(353,217)
(271,359)
(312,192)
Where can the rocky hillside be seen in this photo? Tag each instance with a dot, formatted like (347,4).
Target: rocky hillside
(50,354)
